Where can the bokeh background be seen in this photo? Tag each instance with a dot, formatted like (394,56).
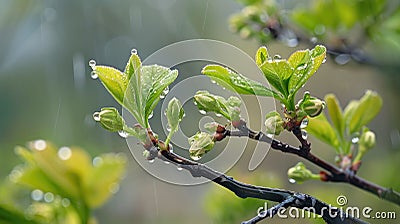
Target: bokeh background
(46,92)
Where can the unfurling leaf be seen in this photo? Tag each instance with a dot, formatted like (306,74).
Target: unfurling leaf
(261,55)
(236,82)
(208,102)
(138,88)
(335,113)
(200,144)
(174,114)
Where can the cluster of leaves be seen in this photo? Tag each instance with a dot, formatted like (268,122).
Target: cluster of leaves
(360,22)
(138,88)
(66,185)
(347,128)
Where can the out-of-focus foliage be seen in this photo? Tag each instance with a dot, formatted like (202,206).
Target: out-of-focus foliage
(65,184)
(362,30)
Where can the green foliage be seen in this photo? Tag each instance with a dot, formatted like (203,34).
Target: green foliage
(348,126)
(200,144)
(286,76)
(66,185)
(138,88)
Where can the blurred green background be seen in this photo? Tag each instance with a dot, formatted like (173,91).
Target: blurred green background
(46,93)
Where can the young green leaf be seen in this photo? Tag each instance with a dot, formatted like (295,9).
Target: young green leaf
(335,113)
(261,55)
(277,72)
(320,128)
(368,107)
(236,82)
(200,144)
(305,63)
(113,80)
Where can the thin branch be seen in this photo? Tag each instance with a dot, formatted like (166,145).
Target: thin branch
(335,174)
(289,198)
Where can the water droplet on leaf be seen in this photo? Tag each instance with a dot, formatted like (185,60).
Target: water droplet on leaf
(96,116)
(48,197)
(37,195)
(166,162)
(64,153)
(304,134)
(277,56)
(355,140)
(40,145)
(218,115)
(203,112)
(151,161)
(133,51)
(195,157)
(92,63)
(304,123)
(97,161)
(123,134)
(179,168)
(292,181)
(94,75)
(65,202)
(151,115)
(342,59)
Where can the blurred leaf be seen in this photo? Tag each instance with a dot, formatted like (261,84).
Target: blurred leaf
(236,82)
(321,128)
(9,215)
(368,107)
(104,179)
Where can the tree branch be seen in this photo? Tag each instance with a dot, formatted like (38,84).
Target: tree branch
(335,174)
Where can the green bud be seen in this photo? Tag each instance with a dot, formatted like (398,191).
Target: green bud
(110,119)
(174,114)
(208,102)
(200,144)
(367,140)
(274,123)
(312,106)
(300,173)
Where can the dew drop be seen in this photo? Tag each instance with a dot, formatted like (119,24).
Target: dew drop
(123,134)
(151,161)
(64,153)
(166,162)
(39,145)
(293,42)
(151,115)
(355,140)
(277,56)
(65,202)
(168,128)
(292,181)
(218,115)
(92,63)
(37,195)
(48,197)
(133,51)
(213,81)
(96,116)
(203,112)
(179,168)
(302,67)
(323,61)
(304,134)
(195,158)
(304,123)
(195,103)
(94,75)
(97,161)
